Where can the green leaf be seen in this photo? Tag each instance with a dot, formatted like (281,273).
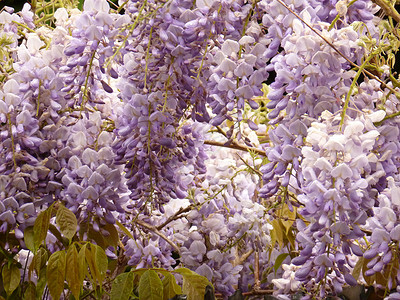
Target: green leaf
(82,263)
(183,271)
(101,261)
(96,236)
(170,287)
(56,273)
(72,271)
(370,280)
(290,215)
(30,292)
(66,220)
(113,238)
(357,268)
(29,238)
(41,283)
(11,278)
(80,4)
(122,286)
(279,260)
(54,230)
(277,234)
(126,231)
(97,261)
(194,285)
(40,259)
(150,286)
(41,227)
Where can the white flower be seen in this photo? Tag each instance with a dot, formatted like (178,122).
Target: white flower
(204,3)
(343,171)
(61,16)
(34,43)
(341,7)
(230,47)
(377,116)
(96,5)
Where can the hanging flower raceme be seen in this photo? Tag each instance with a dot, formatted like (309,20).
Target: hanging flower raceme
(336,196)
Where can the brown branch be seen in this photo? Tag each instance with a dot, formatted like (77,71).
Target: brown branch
(338,51)
(176,216)
(250,167)
(257,282)
(157,232)
(236,146)
(388,9)
(258,292)
(240,260)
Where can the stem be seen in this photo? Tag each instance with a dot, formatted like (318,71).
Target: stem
(240,260)
(176,216)
(388,9)
(346,102)
(250,167)
(257,281)
(206,50)
(38,100)
(24,26)
(258,292)
(246,22)
(122,6)
(236,146)
(131,29)
(338,16)
(12,141)
(84,96)
(388,117)
(157,232)
(147,59)
(26,265)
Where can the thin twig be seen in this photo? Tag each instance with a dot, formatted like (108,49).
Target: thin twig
(236,146)
(258,292)
(176,216)
(240,260)
(250,167)
(257,282)
(156,231)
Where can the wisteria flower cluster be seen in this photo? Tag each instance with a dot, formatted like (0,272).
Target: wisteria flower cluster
(209,147)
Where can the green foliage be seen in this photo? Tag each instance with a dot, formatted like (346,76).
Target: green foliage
(30,292)
(56,273)
(193,285)
(38,262)
(80,4)
(29,238)
(40,228)
(11,278)
(170,287)
(150,286)
(66,221)
(72,272)
(279,260)
(97,261)
(82,265)
(122,286)
(282,227)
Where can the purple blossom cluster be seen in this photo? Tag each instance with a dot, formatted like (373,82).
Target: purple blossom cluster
(53,148)
(335,196)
